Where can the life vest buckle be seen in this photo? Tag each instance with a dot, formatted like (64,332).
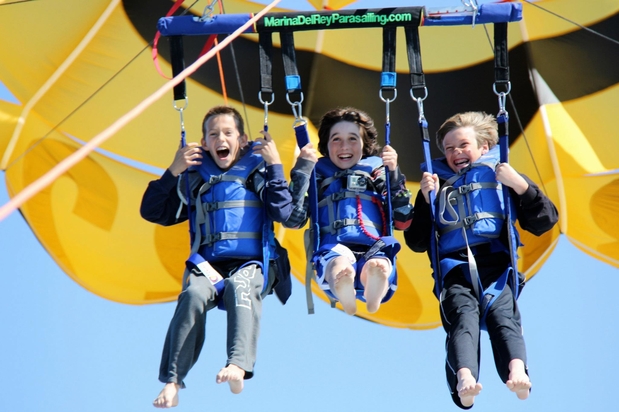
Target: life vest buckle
(214,180)
(210,207)
(469,220)
(210,239)
(464,189)
(338,224)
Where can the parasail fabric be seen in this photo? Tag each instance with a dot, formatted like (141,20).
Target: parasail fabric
(73,81)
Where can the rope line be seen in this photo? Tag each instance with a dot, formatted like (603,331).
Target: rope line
(48,178)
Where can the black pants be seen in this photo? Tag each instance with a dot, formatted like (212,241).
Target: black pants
(460,315)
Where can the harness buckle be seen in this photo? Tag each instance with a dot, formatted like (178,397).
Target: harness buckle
(469,220)
(214,180)
(338,224)
(210,207)
(464,189)
(337,196)
(210,239)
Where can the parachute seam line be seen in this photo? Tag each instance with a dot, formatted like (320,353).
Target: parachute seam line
(592,251)
(573,22)
(46,135)
(68,162)
(43,89)
(87,99)
(540,260)
(16,2)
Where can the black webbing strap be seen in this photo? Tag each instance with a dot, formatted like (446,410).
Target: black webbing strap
(388,77)
(265,43)
(413,49)
(501,60)
(178,65)
(293,80)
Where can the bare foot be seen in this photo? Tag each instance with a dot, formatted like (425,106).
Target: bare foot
(341,279)
(468,388)
(168,397)
(518,381)
(376,282)
(234,376)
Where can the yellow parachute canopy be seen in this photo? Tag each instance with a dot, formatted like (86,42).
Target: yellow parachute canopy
(80,65)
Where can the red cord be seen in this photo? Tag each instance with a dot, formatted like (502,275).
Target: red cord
(362,225)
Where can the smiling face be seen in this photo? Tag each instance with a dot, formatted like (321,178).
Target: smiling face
(461,148)
(223,140)
(345,144)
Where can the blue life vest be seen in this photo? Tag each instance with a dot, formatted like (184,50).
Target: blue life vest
(229,218)
(471,199)
(348,202)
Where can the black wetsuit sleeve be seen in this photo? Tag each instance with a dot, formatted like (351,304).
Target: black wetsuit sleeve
(419,233)
(535,211)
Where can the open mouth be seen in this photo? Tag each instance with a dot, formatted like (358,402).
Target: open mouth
(345,157)
(222,152)
(461,163)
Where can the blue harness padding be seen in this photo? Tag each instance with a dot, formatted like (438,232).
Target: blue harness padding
(194,26)
(470,211)
(349,202)
(487,13)
(230,221)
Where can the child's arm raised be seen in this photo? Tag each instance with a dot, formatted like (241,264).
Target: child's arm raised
(299,185)
(400,195)
(278,198)
(160,203)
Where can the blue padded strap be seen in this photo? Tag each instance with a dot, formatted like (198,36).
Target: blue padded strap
(192,26)
(487,13)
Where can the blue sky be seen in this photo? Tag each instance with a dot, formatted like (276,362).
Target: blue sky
(68,350)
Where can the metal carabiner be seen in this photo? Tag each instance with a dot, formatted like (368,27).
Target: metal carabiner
(297,116)
(387,101)
(266,108)
(502,96)
(180,111)
(419,101)
(208,11)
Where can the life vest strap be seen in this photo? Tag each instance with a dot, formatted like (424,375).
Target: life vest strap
(340,224)
(212,206)
(210,239)
(338,196)
(468,221)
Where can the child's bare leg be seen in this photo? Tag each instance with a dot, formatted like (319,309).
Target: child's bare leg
(234,376)
(375,279)
(168,397)
(518,381)
(341,278)
(468,388)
